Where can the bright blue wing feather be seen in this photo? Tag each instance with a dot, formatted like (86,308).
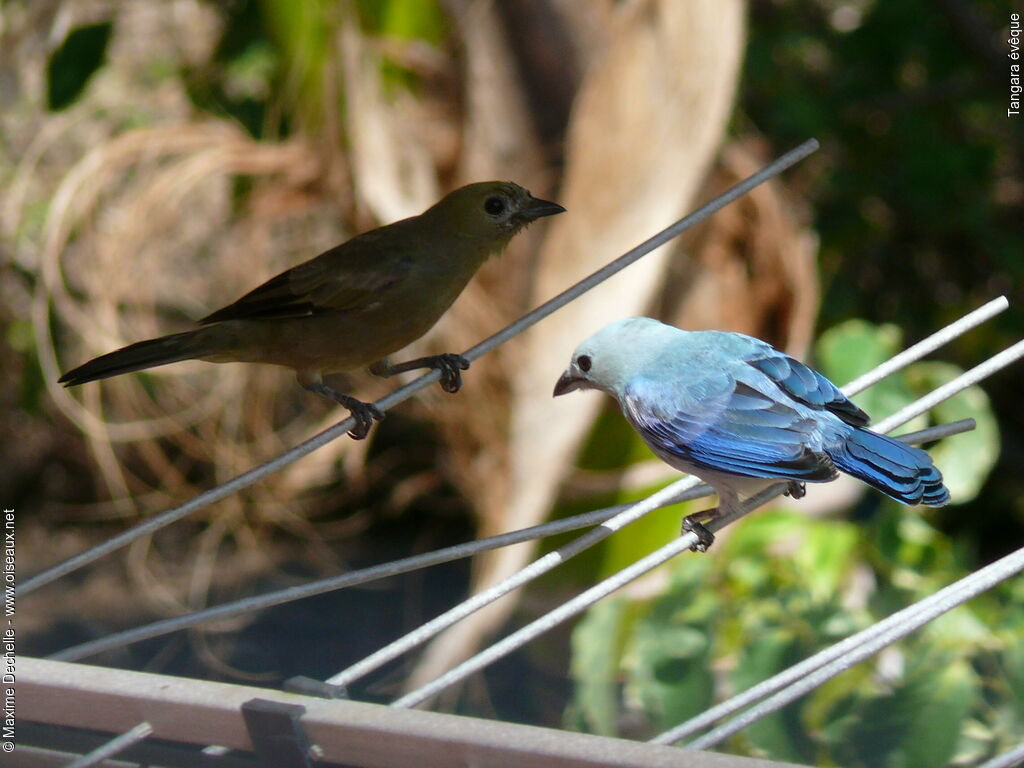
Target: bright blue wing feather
(807,386)
(737,429)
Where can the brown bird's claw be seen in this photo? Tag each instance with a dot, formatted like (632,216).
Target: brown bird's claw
(796,490)
(450,366)
(695,524)
(363,413)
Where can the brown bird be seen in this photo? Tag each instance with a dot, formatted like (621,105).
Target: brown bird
(352,305)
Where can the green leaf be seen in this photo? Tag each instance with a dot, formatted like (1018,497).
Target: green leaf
(412,19)
(612,443)
(855,347)
(756,533)
(74,62)
(938,710)
(1013,663)
(303,33)
(826,555)
(959,630)
(918,725)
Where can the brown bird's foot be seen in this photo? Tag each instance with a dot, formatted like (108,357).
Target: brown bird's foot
(695,524)
(796,490)
(363,413)
(449,365)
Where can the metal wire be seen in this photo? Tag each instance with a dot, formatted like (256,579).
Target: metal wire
(553,559)
(642,566)
(854,649)
(1010,759)
(113,747)
(537,568)
(930,344)
(408,564)
(936,396)
(569,609)
(405,392)
(374,573)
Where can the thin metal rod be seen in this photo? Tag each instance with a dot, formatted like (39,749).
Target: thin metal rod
(113,747)
(537,568)
(938,432)
(856,648)
(405,392)
(565,611)
(929,344)
(408,564)
(961,382)
(637,569)
(1010,759)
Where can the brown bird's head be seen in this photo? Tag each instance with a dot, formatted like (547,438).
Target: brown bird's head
(491,211)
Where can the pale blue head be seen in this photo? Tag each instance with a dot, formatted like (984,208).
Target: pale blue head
(613,355)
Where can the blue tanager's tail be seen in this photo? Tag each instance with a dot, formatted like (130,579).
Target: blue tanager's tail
(896,469)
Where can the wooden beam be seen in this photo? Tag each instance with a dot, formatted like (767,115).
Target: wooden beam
(354,733)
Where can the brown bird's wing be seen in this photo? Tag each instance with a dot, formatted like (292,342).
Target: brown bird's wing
(348,276)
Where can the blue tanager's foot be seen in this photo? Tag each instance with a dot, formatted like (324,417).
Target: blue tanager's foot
(450,365)
(695,524)
(796,490)
(363,413)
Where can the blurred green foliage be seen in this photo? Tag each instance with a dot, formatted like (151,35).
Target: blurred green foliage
(781,587)
(276,68)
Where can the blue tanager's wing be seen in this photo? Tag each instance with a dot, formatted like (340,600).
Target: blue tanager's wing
(807,386)
(710,419)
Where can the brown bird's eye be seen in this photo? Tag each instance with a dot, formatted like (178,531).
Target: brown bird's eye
(494,206)
(584,363)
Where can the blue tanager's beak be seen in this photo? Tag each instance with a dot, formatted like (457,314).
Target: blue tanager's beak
(568,383)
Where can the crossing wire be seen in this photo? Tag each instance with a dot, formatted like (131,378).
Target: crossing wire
(409,564)
(114,747)
(599,591)
(403,393)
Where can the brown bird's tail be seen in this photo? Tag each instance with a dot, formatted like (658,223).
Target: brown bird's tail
(135,357)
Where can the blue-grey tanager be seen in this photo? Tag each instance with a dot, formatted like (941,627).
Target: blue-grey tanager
(735,412)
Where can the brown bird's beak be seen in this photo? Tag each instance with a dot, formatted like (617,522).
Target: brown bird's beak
(538,208)
(568,383)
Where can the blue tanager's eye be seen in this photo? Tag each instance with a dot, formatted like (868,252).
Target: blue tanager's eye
(584,363)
